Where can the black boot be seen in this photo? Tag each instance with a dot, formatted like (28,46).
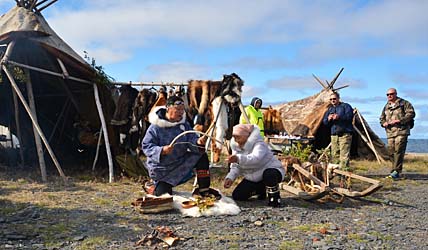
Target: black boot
(273,196)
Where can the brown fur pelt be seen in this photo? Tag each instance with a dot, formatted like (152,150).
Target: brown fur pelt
(205,99)
(272,121)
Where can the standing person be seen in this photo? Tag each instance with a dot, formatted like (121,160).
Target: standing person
(254,114)
(171,165)
(252,159)
(397,119)
(339,118)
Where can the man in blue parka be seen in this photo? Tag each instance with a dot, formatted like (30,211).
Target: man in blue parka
(171,165)
(339,118)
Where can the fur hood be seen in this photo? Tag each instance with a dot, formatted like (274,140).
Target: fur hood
(158,117)
(252,139)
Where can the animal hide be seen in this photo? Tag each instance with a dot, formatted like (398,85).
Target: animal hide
(220,112)
(224,206)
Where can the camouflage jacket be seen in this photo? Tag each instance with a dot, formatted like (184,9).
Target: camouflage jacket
(400,110)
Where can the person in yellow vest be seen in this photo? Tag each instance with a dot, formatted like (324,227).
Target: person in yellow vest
(255,115)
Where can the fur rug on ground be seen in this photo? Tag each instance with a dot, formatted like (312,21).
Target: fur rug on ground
(224,206)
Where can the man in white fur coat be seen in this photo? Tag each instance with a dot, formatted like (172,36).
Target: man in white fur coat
(252,158)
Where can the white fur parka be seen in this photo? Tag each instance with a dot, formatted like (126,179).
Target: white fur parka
(253,159)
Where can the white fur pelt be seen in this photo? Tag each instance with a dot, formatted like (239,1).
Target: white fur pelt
(224,206)
(221,125)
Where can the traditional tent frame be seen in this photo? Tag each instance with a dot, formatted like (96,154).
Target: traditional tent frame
(33,115)
(37,6)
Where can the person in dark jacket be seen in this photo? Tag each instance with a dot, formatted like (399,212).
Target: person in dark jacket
(339,118)
(397,119)
(170,165)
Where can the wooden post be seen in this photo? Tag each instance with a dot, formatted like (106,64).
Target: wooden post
(368,136)
(241,107)
(35,124)
(18,127)
(39,147)
(370,146)
(104,126)
(98,148)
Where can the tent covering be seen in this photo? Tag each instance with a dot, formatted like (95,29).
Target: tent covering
(65,108)
(304,118)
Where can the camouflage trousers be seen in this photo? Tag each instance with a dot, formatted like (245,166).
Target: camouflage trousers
(341,150)
(397,148)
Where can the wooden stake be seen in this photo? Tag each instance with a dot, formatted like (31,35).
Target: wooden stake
(367,134)
(241,107)
(39,147)
(104,126)
(18,126)
(35,124)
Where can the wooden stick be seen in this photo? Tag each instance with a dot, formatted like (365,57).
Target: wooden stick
(35,124)
(320,82)
(370,146)
(6,61)
(241,107)
(18,126)
(98,148)
(104,126)
(37,140)
(152,84)
(367,134)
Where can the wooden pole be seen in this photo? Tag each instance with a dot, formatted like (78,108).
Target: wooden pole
(241,107)
(37,140)
(18,127)
(98,148)
(365,129)
(104,126)
(35,124)
(152,84)
(366,141)
(368,136)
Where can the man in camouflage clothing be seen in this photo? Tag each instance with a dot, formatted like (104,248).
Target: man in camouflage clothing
(397,119)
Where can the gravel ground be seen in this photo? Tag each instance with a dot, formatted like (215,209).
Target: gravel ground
(94,215)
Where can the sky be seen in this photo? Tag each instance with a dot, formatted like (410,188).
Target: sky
(273,45)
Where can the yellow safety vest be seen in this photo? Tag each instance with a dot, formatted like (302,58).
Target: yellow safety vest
(255,116)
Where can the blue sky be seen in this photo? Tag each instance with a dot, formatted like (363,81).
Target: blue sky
(273,45)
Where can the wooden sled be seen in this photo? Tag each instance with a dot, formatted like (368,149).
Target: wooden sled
(316,190)
(375,185)
(308,186)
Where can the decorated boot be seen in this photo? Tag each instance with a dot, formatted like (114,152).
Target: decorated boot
(204,181)
(274,199)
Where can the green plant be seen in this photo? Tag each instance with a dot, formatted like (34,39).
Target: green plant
(101,76)
(299,151)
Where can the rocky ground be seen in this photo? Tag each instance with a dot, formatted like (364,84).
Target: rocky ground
(96,215)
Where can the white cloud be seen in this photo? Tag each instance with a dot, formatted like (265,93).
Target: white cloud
(175,72)
(329,29)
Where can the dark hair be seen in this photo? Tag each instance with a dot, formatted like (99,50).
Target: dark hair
(172,99)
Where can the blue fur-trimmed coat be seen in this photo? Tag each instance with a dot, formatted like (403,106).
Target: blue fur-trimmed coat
(174,167)
(253,159)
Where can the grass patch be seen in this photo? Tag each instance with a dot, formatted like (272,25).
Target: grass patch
(93,243)
(102,201)
(310,227)
(290,245)
(357,238)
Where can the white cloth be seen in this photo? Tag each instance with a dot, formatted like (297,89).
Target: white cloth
(8,143)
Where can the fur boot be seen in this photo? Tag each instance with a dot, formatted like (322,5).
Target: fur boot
(273,196)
